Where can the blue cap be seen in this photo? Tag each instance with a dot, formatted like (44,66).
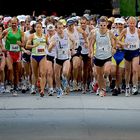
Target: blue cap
(70,22)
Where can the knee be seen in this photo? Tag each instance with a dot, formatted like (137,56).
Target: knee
(43,74)
(134,71)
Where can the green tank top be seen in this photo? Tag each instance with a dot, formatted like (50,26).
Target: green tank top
(11,40)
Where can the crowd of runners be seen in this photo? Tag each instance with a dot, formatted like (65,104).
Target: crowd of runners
(50,54)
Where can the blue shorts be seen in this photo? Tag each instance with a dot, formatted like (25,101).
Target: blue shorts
(38,58)
(130,54)
(119,56)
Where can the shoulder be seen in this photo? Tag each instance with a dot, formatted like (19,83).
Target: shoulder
(31,36)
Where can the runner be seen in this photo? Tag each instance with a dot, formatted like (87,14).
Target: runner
(62,61)
(131,36)
(104,45)
(50,60)
(14,45)
(117,69)
(37,42)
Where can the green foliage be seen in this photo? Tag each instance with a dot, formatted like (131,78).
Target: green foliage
(127,7)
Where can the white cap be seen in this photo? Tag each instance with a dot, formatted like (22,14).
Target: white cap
(21,18)
(121,20)
(32,22)
(50,27)
(116,20)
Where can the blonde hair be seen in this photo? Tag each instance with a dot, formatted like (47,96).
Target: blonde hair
(103,19)
(132,19)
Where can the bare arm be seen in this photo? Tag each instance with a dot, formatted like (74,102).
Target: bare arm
(4,33)
(72,42)
(80,30)
(51,45)
(29,44)
(22,42)
(91,42)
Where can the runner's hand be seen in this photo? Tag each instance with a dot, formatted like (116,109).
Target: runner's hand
(27,52)
(19,43)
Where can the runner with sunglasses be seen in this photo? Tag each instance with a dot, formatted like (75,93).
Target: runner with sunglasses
(105,43)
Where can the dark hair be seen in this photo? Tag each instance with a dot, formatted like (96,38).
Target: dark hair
(1,25)
(38,23)
(33,29)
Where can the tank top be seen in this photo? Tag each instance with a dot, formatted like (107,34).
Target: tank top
(132,40)
(62,47)
(11,40)
(82,42)
(53,51)
(40,49)
(103,45)
(75,36)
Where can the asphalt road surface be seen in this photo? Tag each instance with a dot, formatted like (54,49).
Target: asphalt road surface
(72,117)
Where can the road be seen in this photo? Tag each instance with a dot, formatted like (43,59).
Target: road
(72,117)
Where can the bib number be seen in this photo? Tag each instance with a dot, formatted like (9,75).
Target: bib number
(62,52)
(14,48)
(132,46)
(40,50)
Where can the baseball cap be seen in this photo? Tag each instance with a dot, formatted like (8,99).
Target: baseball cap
(32,22)
(87,16)
(70,22)
(50,27)
(21,18)
(116,20)
(121,20)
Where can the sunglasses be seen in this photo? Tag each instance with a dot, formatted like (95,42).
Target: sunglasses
(120,24)
(102,25)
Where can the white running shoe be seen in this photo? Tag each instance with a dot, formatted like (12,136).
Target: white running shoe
(127,91)
(134,90)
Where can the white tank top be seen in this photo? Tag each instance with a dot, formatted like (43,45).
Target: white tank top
(53,51)
(103,45)
(132,40)
(62,47)
(82,42)
(75,36)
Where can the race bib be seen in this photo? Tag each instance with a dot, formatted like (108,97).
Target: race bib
(62,52)
(132,46)
(40,49)
(14,48)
